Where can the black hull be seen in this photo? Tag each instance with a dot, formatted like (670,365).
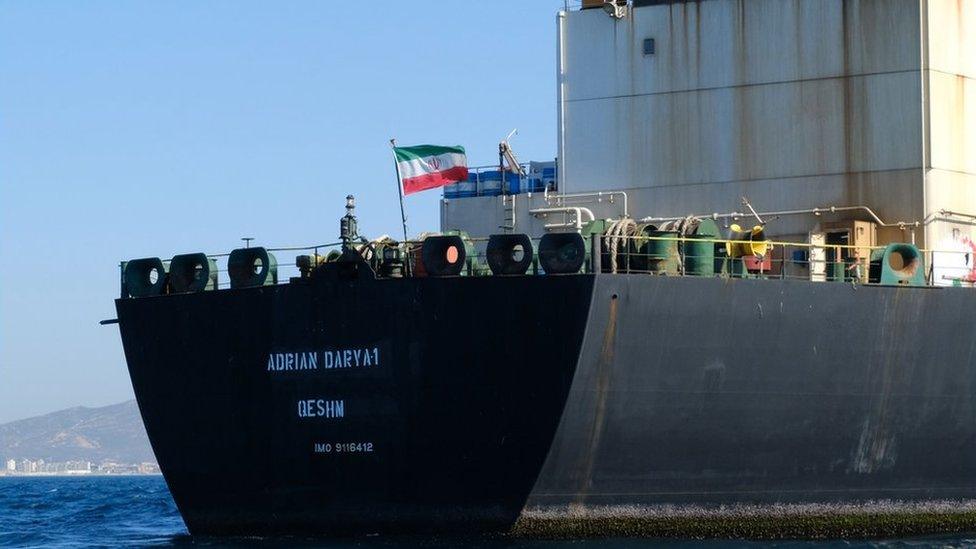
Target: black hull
(498,394)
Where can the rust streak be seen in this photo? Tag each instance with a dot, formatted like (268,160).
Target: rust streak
(602,388)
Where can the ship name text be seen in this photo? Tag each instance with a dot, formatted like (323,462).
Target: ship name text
(330,359)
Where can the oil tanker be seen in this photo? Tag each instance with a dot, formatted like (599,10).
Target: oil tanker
(616,352)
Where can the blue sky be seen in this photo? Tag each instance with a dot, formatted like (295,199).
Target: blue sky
(132,129)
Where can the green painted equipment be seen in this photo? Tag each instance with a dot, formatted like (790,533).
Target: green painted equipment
(897,264)
(387,259)
(192,273)
(250,267)
(654,250)
(333,256)
(699,250)
(662,252)
(597,226)
(144,277)
(836,269)
(638,253)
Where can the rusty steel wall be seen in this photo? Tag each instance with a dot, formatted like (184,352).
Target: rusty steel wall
(792,103)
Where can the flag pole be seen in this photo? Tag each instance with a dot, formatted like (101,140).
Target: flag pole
(403,215)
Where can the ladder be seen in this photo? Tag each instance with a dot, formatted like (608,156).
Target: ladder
(507,156)
(508,204)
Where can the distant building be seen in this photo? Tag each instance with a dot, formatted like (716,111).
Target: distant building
(24,466)
(146,468)
(77,467)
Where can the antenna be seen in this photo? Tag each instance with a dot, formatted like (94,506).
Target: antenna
(247,241)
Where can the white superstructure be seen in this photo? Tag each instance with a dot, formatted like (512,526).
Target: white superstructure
(688,106)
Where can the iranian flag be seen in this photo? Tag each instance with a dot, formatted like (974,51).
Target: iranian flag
(425,167)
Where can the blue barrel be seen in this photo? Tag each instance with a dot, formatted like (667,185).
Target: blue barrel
(452,191)
(549,178)
(469,187)
(490,184)
(513,183)
(540,184)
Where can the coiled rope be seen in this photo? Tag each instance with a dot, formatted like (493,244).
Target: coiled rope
(619,230)
(622,231)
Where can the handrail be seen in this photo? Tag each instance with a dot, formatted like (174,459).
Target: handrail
(577,210)
(942,266)
(718,240)
(281,249)
(561,199)
(942,215)
(805,211)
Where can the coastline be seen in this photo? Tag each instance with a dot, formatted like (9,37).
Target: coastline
(76,475)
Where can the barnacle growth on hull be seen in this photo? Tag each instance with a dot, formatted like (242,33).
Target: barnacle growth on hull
(871,520)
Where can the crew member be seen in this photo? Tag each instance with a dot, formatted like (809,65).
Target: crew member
(854,269)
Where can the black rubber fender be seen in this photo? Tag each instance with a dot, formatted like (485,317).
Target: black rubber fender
(444,255)
(562,253)
(250,267)
(192,273)
(137,276)
(501,254)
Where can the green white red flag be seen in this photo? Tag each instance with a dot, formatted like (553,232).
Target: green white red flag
(425,167)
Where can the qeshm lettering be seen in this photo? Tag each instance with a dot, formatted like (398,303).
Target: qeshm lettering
(321,408)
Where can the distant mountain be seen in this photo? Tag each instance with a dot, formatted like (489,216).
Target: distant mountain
(111,433)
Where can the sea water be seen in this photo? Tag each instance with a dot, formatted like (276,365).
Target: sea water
(135,511)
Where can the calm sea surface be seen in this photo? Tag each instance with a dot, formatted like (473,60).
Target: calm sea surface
(138,512)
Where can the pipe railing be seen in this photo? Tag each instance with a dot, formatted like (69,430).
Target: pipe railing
(845,262)
(580,215)
(556,199)
(674,257)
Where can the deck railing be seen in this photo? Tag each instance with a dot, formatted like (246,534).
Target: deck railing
(676,256)
(682,256)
